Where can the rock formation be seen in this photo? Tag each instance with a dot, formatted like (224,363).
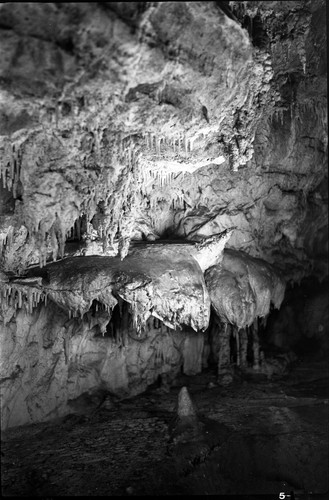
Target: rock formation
(155,158)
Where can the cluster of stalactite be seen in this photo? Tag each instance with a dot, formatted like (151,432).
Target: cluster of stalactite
(116,221)
(119,209)
(21,297)
(121,327)
(10,166)
(159,176)
(298,110)
(260,28)
(75,233)
(240,346)
(6,238)
(51,244)
(97,307)
(176,144)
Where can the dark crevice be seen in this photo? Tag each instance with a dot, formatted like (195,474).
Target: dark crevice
(129,12)
(225,7)
(257,33)
(67,45)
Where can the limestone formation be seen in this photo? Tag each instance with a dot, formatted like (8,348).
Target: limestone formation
(162,166)
(185,405)
(185,427)
(243,288)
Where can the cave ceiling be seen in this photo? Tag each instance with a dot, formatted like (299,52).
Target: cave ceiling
(144,121)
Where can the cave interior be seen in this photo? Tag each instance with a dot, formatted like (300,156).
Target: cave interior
(164,248)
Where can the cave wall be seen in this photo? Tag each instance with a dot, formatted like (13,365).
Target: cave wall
(302,323)
(49,360)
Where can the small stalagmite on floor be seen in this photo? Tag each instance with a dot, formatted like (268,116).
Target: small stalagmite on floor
(185,406)
(185,426)
(193,437)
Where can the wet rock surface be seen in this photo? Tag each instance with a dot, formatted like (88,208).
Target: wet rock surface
(256,437)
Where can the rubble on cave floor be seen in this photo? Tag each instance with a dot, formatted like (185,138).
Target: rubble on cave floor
(262,437)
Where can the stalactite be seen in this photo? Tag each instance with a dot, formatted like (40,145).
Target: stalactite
(14,171)
(4,177)
(19,299)
(53,243)
(78,228)
(236,336)
(179,144)
(243,346)
(44,257)
(280,113)
(224,350)
(30,303)
(255,344)
(2,168)
(263,321)
(12,162)
(61,238)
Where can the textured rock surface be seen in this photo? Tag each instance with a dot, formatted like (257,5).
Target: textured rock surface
(145,121)
(175,118)
(258,439)
(242,288)
(302,323)
(163,280)
(49,361)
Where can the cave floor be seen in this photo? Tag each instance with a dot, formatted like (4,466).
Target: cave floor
(258,437)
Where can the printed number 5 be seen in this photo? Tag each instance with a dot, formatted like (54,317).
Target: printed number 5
(282,495)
